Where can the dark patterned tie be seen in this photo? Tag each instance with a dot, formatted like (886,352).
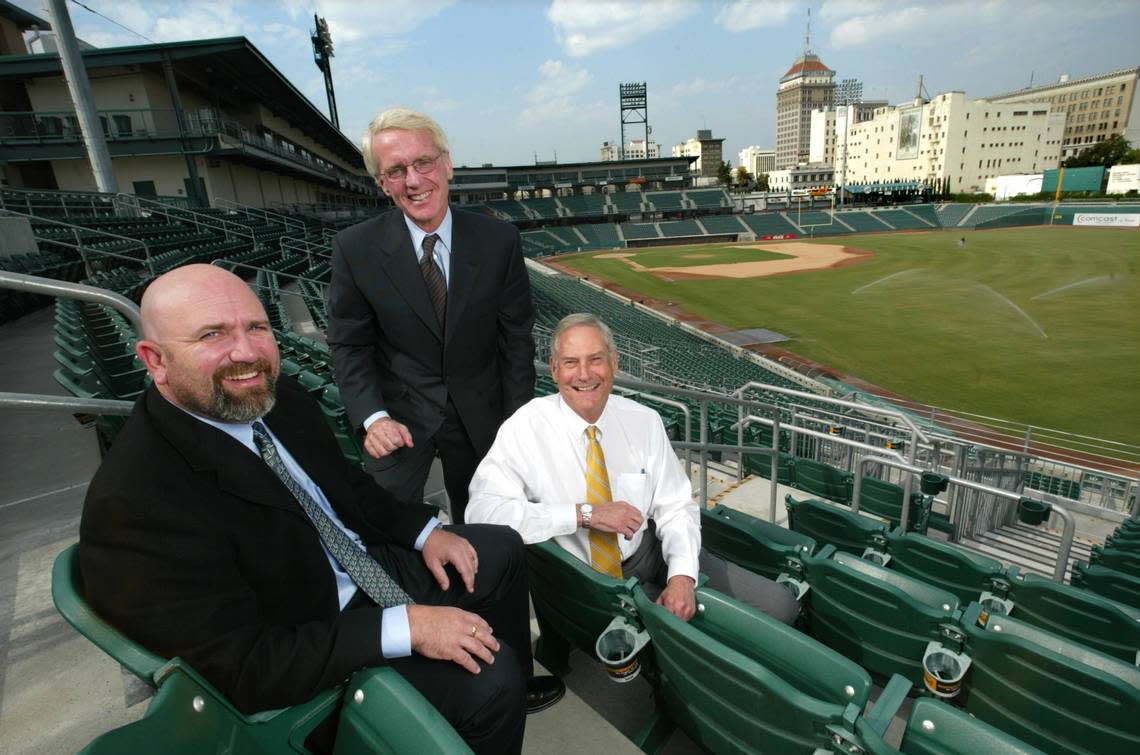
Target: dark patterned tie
(433,279)
(368,575)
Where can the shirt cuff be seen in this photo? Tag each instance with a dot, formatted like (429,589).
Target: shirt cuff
(395,634)
(427,530)
(373,417)
(563,519)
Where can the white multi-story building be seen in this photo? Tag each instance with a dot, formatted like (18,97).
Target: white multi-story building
(802,178)
(828,123)
(758,161)
(952,143)
(1095,107)
(635,150)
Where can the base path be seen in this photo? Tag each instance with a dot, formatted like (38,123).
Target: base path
(801,257)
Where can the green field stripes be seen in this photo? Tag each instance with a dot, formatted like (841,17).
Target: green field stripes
(1038,325)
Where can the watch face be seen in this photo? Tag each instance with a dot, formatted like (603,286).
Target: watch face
(587,509)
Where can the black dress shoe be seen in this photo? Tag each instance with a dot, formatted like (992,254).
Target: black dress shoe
(542,692)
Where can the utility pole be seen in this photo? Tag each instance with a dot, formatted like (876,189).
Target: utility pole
(79,86)
(322,56)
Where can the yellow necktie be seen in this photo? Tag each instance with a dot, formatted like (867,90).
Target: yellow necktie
(604,553)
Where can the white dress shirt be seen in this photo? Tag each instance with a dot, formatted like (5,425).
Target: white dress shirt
(442,255)
(395,632)
(535,473)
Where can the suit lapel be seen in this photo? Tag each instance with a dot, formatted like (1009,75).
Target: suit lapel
(400,265)
(464,270)
(239,471)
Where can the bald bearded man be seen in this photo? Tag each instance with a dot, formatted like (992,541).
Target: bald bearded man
(210,532)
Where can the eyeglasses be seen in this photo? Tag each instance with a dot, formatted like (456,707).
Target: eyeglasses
(422,165)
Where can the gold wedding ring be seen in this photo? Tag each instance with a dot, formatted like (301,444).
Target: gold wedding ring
(474,630)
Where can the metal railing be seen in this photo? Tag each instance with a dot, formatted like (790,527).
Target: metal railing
(142,207)
(85,250)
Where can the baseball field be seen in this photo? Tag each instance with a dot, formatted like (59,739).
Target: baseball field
(1036,325)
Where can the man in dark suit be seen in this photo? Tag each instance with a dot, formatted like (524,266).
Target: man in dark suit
(430,318)
(201,537)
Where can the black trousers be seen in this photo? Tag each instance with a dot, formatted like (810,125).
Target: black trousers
(404,472)
(488,709)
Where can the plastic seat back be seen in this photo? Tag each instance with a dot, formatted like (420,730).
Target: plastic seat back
(878,618)
(67,593)
(1079,615)
(572,602)
(828,524)
(1108,583)
(943,565)
(1048,691)
(935,728)
(823,480)
(754,544)
(738,681)
(1127,562)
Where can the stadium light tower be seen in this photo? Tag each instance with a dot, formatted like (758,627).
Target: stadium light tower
(849,92)
(322,56)
(633,99)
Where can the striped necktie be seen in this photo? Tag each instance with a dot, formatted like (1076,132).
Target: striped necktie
(605,556)
(368,575)
(433,279)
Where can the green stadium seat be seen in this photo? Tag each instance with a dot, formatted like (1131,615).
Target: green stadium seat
(823,480)
(964,573)
(752,543)
(879,618)
(572,602)
(1048,691)
(737,681)
(827,523)
(759,463)
(1079,615)
(188,715)
(1127,562)
(1109,583)
(935,728)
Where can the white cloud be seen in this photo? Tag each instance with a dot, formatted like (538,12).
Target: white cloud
(583,27)
(745,15)
(354,20)
(555,96)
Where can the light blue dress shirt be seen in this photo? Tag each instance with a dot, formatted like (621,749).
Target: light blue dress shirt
(395,633)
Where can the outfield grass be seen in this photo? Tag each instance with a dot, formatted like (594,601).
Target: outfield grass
(940,323)
(705,254)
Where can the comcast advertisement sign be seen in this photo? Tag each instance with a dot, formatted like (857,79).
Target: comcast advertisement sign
(1107,220)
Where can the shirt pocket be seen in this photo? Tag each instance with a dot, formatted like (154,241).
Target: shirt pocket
(632,487)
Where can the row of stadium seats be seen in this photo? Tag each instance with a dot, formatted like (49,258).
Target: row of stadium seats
(1050,668)
(617,203)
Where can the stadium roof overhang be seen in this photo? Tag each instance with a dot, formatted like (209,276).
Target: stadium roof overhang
(229,71)
(884,187)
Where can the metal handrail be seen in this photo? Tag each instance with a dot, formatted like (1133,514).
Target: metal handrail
(182,214)
(285,220)
(35,284)
(79,247)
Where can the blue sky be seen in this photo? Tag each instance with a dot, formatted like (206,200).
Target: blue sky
(512,79)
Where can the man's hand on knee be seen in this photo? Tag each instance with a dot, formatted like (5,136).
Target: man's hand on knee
(679,597)
(385,435)
(442,548)
(452,634)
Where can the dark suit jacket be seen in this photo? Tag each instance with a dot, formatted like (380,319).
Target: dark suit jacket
(388,350)
(191,546)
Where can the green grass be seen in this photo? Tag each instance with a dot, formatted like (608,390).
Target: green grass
(944,330)
(721,254)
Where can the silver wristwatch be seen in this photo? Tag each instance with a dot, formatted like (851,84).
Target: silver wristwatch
(587,512)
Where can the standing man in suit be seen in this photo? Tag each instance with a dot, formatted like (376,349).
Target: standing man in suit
(224,526)
(430,318)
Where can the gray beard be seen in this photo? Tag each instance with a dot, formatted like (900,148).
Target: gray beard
(227,408)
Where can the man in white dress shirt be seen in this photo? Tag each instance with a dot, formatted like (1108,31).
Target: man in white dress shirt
(534,480)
